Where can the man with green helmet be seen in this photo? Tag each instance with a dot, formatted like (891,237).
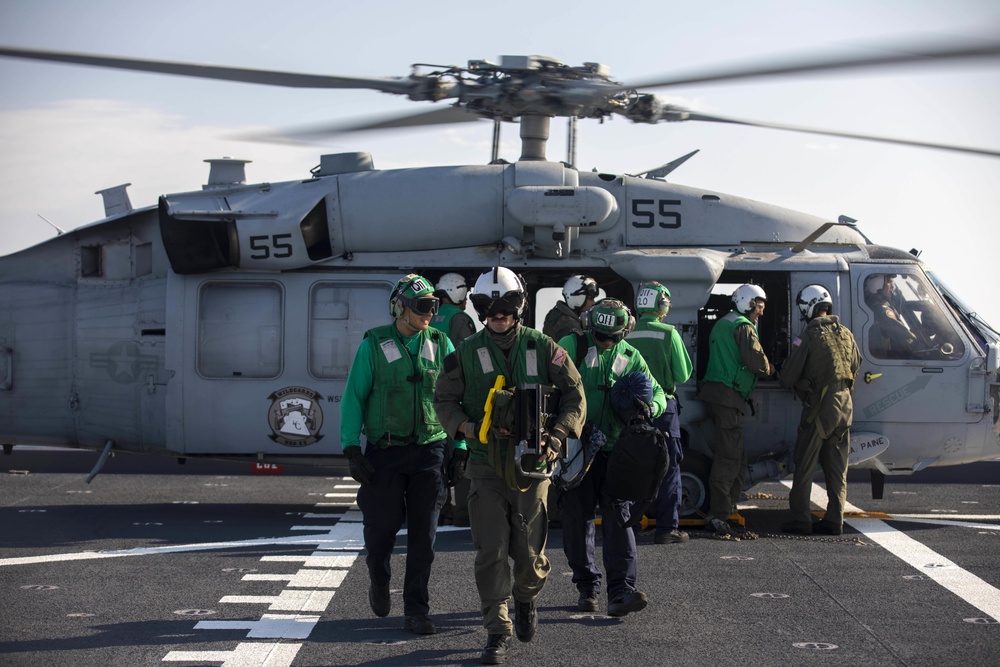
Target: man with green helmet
(507,510)
(389,398)
(735,362)
(603,357)
(669,363)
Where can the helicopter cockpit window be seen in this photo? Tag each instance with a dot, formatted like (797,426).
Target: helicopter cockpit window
(239,330)
(910,322)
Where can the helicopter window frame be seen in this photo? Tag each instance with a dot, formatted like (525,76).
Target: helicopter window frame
(220,353)
(928,295)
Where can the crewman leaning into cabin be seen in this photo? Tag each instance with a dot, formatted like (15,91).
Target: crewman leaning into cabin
(506,509)
(604,357)
(389,397)
(452,319)
(579,293)
(670,364)
(820,369)
(735,362)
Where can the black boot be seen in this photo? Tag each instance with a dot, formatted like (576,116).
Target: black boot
(525,620)
(495,653)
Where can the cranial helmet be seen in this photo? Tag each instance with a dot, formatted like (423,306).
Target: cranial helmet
(811,296)
(652,297)
(608,319)
(874,283)
(413,292)
(499,290)
(453,285)
(744,297)
(578,289)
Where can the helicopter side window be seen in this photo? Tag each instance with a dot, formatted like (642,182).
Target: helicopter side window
(239,330)
(339,315)
(909,322)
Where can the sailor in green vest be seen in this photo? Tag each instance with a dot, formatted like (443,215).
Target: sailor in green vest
(507,510)
(820,369)
(661,346)
(604,357)
(735,362)
(452,319)
(389,397)
(579,293)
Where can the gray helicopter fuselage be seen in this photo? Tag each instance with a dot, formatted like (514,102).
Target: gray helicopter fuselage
(223,322)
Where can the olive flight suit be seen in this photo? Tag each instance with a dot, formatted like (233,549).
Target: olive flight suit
(507,511)
(821,368)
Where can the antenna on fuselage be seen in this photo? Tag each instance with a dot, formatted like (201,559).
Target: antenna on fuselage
(54,225)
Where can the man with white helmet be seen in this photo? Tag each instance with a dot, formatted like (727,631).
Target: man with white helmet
(669,362)
(579,294)
(507,510)
(735,362)
(452,319)
(389,397)
(820,369)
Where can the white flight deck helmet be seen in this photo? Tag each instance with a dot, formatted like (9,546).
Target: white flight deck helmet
(578,289)
(499,290)
(811,296)
(453,284)
(744,296)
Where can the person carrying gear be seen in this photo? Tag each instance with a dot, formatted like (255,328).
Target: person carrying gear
(452,319)
(603,357)
(507,510)
(579,294)
(389,397)
(893,338)
(735,362)
(661,346)
(820,369)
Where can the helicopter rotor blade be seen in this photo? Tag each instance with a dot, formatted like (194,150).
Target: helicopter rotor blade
(899,56)
(267,77)
(847,135)
(443,116)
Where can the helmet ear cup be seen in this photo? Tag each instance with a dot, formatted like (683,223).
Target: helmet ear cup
(396,306)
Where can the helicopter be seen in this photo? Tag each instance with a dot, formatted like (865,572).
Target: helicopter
(221,322)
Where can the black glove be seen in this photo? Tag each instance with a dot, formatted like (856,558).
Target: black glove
(360,467)
(456,466)
(643,410)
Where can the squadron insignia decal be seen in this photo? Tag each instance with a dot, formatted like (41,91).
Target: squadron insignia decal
(295,416)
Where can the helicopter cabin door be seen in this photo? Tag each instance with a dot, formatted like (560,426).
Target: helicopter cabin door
(915,370)
(261,360)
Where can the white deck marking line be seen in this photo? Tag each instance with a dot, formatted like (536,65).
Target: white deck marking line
(286,600)
(928,562)
(245,655)
(270,626)
(311,578)
(957,517)
(324,539)
(946,522)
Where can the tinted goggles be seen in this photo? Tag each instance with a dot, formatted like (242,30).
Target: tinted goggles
(487,306)
(602,337)
(424,305)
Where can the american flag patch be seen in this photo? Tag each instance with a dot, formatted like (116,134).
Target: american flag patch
(797,341)
(559,358)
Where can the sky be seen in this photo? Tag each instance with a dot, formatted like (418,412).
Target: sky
(67,131)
